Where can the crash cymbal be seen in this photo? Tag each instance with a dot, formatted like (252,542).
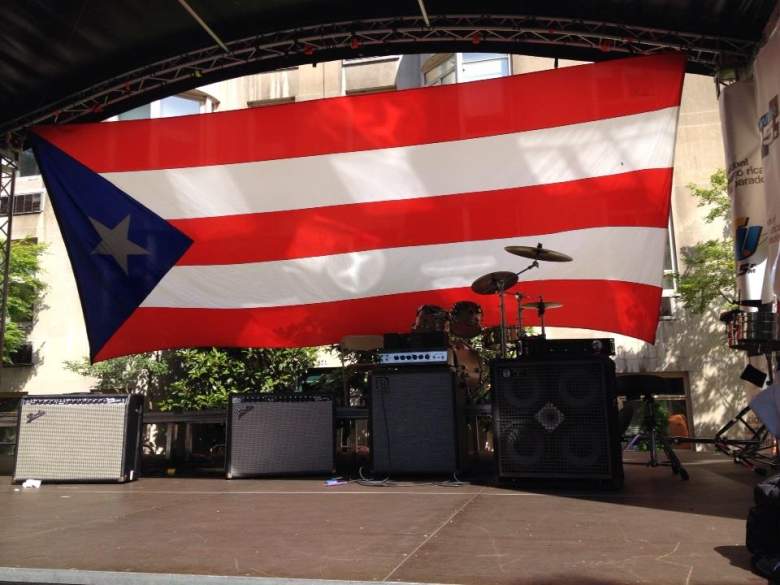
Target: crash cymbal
(542,305)
(490,284)
(538,253)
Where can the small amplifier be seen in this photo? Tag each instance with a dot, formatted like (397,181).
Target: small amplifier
(422,356)
(93,437)
(538,347)
(415,420)
(415,340)
(280,434)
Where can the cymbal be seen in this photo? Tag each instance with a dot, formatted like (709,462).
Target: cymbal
(538,253)
(490,284)
(538,305)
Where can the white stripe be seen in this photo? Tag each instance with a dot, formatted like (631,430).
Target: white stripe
(613,253)
(551,155)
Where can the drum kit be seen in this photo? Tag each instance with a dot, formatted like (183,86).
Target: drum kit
(500,282)
(464,321)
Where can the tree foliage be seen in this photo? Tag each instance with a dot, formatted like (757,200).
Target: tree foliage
(709,276)
(195,379)
(25,291)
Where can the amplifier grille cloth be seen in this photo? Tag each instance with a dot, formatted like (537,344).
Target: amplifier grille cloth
(281,437)
(71,441)
(413,422)
(553,420)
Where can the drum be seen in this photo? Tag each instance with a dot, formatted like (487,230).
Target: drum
(492,337)
(431,318)
(466,319)
(468,366)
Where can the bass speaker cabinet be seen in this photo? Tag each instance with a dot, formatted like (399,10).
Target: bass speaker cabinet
(280,434)
(414,417)
(79,438)
(556,418)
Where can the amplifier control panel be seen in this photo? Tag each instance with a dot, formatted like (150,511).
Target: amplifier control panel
(421,356)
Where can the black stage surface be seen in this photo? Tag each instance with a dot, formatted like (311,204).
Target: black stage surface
(657,530)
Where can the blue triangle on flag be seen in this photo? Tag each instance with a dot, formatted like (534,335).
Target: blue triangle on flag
(118,248)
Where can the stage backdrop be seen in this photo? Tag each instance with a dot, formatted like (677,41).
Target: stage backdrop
(766,70)
(298,224)
(746,188)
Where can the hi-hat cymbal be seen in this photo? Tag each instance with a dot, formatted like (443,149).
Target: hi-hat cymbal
(542,305)
(490,284)
(538,253)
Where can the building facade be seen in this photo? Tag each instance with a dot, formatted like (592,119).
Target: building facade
(690,349)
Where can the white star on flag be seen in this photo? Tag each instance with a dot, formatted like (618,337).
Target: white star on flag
(115,242)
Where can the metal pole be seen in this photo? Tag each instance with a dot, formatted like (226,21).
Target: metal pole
(9,162)
(503,320)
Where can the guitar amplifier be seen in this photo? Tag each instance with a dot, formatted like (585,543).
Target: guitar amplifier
(414,416)
(79,438)
(556,418)
(280,434)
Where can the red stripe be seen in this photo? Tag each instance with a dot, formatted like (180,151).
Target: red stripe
(469,110)
(632,199)
(619,307)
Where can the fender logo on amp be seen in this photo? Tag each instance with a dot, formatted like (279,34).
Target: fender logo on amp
(35,415)
(245,410)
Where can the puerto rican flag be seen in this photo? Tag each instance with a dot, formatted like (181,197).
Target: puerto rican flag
(297,224)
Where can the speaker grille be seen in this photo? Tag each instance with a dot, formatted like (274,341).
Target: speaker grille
(413,422)
(280,435)
(71,439)
(552,418)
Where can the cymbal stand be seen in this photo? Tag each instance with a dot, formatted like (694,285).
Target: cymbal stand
(502,328)
(534,264)
(519,299)
(540,312)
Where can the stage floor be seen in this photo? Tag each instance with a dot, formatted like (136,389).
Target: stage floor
(657,530)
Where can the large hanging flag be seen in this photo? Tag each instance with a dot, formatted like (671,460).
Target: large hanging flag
(297,224)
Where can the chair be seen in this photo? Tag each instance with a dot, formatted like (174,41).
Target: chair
(646,387)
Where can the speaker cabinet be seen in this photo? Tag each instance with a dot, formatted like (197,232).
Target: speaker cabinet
(415,415)
(79,438)
(280,434)
(556,418)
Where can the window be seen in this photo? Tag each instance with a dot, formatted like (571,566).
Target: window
(673,404)
(28,166)
(175,105)
(442,73)
(461,67)
(23,203)
(23,356)
(669,293)
(178,106)
(476,66)
(140,113)
(270,102)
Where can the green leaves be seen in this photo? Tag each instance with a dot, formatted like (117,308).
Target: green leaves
(709,276)
(25,291)
(196,379)
(715,195)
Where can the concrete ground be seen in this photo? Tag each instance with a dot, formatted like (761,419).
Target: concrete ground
(657,530)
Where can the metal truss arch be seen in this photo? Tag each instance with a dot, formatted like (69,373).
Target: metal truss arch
(587,40)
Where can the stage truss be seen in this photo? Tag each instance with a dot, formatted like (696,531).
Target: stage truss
(8,166)
(397,35)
